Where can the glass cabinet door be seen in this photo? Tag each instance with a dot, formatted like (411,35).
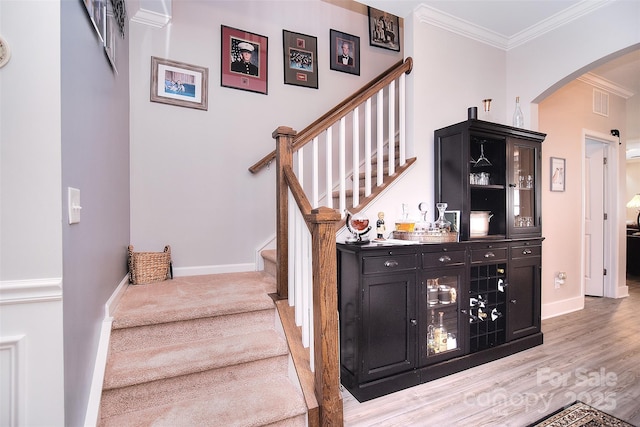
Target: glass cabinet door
(524,217)
(442,335)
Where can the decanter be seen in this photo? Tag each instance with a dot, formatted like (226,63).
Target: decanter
(518,117)
(441,224)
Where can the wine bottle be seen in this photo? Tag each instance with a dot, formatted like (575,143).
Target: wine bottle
(518,117)
(481,314)
(431,339)
(441,334)
(495,314)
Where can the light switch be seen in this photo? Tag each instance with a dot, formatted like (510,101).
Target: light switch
(74,205)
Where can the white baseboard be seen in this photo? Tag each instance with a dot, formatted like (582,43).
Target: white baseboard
(213,269)
(558,308)
(95,393)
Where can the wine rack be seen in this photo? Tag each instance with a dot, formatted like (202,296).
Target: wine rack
(487,305)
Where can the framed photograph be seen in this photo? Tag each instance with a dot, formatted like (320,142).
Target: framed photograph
(97,10)
(454,218)
(384,30)
(300,54)
(110,40)
(177,83)
(558,173)
(244,60)
(345,52)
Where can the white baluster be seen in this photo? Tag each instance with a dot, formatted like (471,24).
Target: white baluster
(403,120)
(391,94)
(367,148)
(342,175)
(380,137)
(329,167)
(315,202)
(355,170)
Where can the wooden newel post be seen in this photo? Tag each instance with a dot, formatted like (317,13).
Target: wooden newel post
(325,309)
(284,157)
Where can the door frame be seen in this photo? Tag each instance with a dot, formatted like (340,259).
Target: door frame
(611,238)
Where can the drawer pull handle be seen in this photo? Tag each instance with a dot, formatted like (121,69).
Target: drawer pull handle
(513,301)
(414,322)
(526,252)
(489,255)
(391,263)
(444,258)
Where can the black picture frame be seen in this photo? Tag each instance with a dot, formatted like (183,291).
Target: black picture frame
(337,40)
(300,54)
(253,76)
(384,30)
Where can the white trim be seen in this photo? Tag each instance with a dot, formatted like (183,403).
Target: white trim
(429,15)
(611,244)
(607,85)
(268,244)
(95,393)
(558,308)
(15,346)
(30,290)
(213,269)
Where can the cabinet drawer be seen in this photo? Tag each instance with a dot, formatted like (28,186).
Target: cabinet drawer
(488,255)
(389,263)
(438,259)
(525,251)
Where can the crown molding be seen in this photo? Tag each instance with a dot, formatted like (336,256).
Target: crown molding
(606,85)
(429,15)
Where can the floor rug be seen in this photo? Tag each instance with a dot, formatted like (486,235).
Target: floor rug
(579,414)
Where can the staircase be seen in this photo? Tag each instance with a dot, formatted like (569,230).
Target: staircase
(200,351)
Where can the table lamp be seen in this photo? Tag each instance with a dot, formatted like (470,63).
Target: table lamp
(635,203)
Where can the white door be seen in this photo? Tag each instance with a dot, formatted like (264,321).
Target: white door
(594,218)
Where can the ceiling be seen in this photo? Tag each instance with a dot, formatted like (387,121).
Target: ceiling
(509,22)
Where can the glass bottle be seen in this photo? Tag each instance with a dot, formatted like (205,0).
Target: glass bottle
(518,117)
(431,338)
(441,334)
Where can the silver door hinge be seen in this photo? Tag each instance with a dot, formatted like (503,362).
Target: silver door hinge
(606,216)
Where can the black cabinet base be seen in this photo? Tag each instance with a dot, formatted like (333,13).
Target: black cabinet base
(373,389)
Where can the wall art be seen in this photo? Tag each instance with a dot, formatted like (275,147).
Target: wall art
(300,53)
(558,174)
(345,52)
(177,83)
(384,30)
(244,60)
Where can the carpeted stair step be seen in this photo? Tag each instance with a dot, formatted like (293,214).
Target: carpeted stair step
(155,363)
(194,297)
(270,261)
(184,331)
(250,394)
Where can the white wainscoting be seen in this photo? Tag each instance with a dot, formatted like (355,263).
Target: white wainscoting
(31,341)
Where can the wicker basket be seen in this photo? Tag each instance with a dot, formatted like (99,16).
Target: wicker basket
(148,267)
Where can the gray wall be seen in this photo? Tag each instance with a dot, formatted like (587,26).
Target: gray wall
(95,159)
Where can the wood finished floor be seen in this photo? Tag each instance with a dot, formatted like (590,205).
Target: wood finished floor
(592,355)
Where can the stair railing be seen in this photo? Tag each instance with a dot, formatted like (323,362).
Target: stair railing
(306,271)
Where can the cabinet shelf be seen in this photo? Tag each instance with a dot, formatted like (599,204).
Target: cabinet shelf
(487,187)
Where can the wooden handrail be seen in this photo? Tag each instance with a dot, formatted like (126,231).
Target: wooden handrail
(341,110)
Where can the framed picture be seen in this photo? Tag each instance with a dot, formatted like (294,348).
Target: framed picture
(345,52)
(300,54)
(110,39)
(244,60)
(97,10)
(384,30)
(558,173)
(177,83)
(454,218)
